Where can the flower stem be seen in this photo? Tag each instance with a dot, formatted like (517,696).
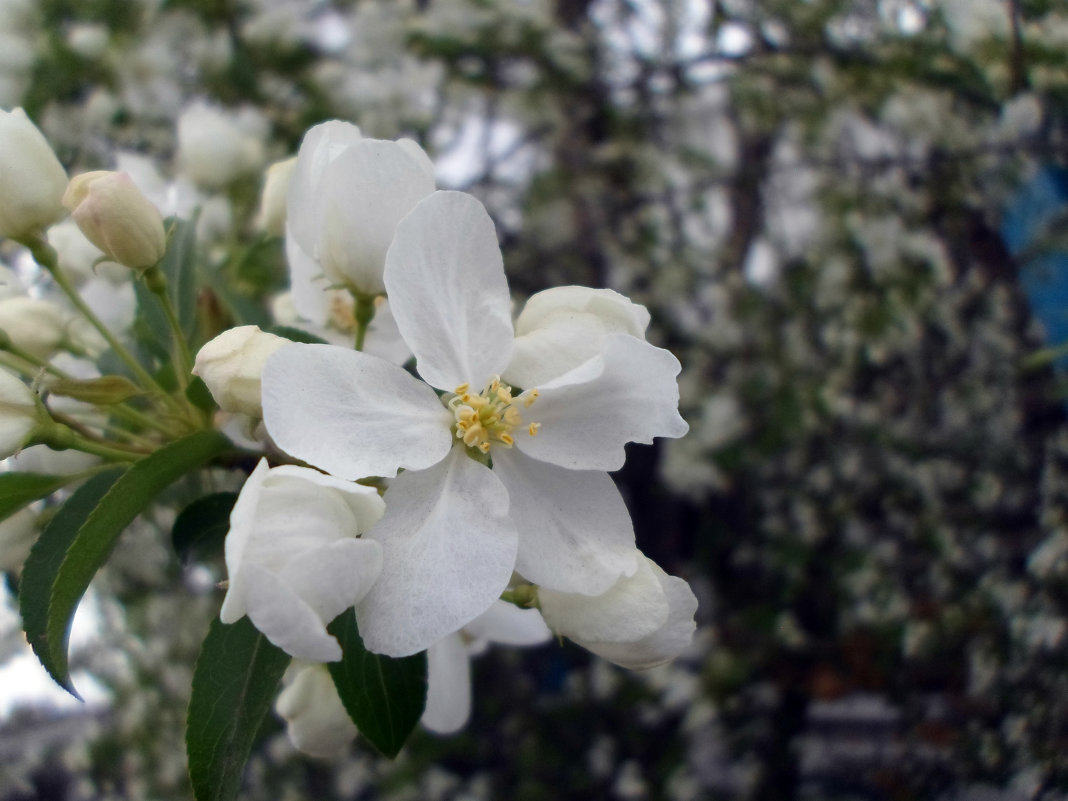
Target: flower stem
(364,313)
(156,282)
(61,437)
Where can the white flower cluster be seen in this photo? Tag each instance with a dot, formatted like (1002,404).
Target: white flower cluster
(496,451)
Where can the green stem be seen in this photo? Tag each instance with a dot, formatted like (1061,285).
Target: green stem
(45,255)
(156,282)
(364,313)
(524,596)
(61,437)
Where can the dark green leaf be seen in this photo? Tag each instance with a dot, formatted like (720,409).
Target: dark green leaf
(202,525)
(42,565)
(19,489)
(179,265)
(296,335)
(199,395)
(385,697)
(234,683)
(137,487)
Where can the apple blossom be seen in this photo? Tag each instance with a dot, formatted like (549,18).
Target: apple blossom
(316,720)
(271,217)
(231,365)
(294,558)
(34,325)
(216,146)
(346,196)
(31,178)
(495,479)
(116,217)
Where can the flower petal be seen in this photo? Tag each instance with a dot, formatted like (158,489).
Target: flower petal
(507,624)
(633,608)
(562,327)
(666,642)
(285,619)
(304,202)
(627,394)
(445,280)
(352,414)
(575,533)
(448,690)
(366,504)
(316,720)
(308,286)
(370,187)
(448,553)
(332,579)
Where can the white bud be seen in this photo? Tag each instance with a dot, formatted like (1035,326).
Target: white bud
(117,218)
(31,178)
(316,720)
(17,535)
(34,325)
(272,214)
(232,366)
(18,413)
(213,149)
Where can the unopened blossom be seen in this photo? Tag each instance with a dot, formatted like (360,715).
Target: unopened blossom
(316,720)
(271,217)
(35,325)
(346,196)
(18,413)
(116,217)
(642,621)
(231,365)
(17,535)
(294,557)
(455,529)
(32,180)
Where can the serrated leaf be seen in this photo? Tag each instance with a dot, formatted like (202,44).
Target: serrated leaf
(202,525)
(385,697)
(96,537)
(42,565)
(233,685)
(19,489)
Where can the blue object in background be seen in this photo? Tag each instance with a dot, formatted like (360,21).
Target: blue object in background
(1043,275)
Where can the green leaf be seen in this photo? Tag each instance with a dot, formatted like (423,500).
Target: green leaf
(96,537)
(296,335)
(233,685)
(101,391)
(202,525)
(199,395)
(385,697)
(179,268)
(19,489)
(42,565)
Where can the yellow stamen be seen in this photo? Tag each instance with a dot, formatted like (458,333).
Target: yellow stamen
(532,429)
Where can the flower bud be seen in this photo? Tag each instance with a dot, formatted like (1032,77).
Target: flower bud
(316,720)
(272,215)
(18,413)
(117,218)
(31,178)
(231,366)
(34,325)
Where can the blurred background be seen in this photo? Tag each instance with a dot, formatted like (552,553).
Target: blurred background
(849,220)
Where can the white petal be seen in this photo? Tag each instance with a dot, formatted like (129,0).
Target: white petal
(369,188)
(316,720)
(331,579)
(285,619)
(304,202)
(560,328)
(352,414)
(666,642)
(366,504)
(448,553)
(446,285)
(307,283)
(238,539)
(507,624)
(628,394)
(575,533)
(634,608)
(448,691)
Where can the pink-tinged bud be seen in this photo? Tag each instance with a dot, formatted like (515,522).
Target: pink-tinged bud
(232,365)
(31,178)
(117,218)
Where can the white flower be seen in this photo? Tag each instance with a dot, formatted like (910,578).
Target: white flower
(271,217)
(293,558)
(18,413)
(643,621)
(231,365)
(316,721)
(215,146)
(17,535)
(346,196)
(32,180)
(454,529)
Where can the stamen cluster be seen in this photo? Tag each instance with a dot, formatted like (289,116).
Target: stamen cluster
(491,415)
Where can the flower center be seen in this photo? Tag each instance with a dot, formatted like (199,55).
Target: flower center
(490,416)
